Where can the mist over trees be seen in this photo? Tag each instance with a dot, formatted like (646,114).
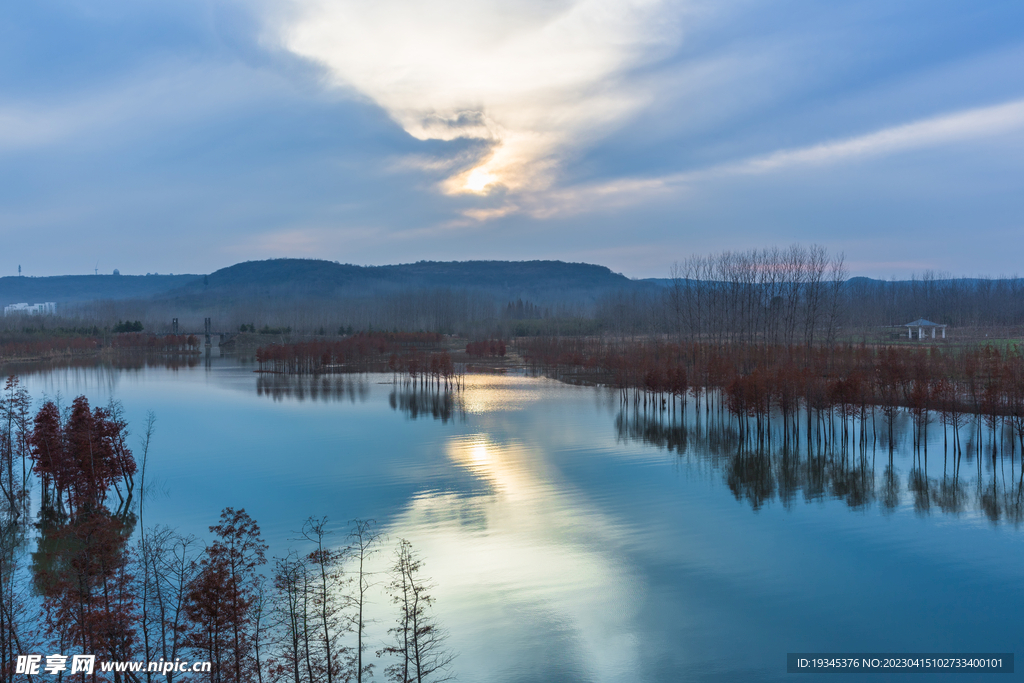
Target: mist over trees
(959,302)
(783,295)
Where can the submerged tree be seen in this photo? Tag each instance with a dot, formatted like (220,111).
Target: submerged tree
(81,457)
(419,643)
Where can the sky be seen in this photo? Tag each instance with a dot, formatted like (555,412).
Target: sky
(186,136)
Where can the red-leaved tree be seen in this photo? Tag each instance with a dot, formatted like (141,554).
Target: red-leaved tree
(224,600)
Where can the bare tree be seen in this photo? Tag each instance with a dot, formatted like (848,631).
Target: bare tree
(15,606)
(817,262)
(837,276)
(288,615)
(325,565)
(168,568)
(420,644)
(364,541)
(148,575)
(14,408)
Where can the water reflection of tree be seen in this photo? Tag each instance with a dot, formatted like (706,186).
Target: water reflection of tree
(325,388)
(890,490)
(81,567)
(426,402)
(952,496)
(750,476)
(1001,498)
(759,470)
(851,479)
(920,486)
(82,570)
(120,362)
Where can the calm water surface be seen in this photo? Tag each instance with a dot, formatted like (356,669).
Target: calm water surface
(572,540)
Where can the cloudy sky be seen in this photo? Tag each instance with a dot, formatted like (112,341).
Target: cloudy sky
(185,136)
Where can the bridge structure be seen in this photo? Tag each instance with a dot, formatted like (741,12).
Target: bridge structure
(207,332)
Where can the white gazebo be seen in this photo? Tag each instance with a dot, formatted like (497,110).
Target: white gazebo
(921,324)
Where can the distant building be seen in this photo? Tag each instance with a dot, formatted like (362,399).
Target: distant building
(46,308)
(921,324)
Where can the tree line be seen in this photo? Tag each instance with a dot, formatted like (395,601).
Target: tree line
(486,347)
(361,351)
(956,301)
(65,347)
(123,326)
(835,386)
(167,343)
(47,347)
(418,357)
(94,586)
(800,294)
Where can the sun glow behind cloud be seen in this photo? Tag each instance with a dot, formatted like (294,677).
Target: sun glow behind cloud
(532,80)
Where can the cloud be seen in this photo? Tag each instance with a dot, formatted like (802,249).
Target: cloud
(23,127)
(303,241)
(939,130)
(170,94)
(957,127)
(533,80)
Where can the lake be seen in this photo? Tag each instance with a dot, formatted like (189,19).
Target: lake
(573,538)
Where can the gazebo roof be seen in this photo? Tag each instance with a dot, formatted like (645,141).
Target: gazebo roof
(921,322)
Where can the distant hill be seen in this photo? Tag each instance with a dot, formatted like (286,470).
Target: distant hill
(281,278)
(74,288)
